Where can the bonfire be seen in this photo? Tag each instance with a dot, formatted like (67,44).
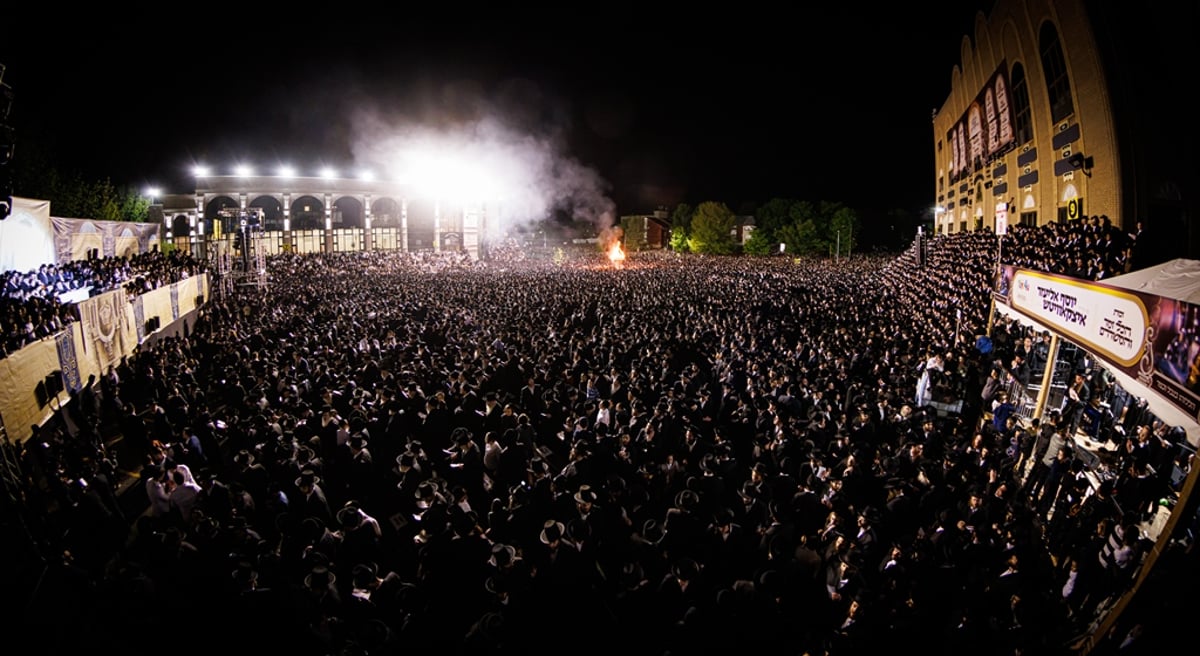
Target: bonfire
(616,255)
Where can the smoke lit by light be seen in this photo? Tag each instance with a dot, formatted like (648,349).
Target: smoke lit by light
(483,161)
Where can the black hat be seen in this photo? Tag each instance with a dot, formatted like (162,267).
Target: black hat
(685,569)
(350,516)
(319,578)
(585,494)
(687,500)
(462,521)
(503,555)
(308,478)
(425,494)
(364,574)
(552,531)
(406,461)
(652,530)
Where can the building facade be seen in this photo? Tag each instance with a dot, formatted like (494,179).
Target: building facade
(309,214)
(1058,111)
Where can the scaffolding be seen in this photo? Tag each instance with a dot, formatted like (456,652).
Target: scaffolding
(236,251)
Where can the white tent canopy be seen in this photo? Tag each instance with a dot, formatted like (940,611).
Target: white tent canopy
(1177,279)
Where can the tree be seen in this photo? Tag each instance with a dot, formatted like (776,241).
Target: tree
(760,243)
(802,238)
(773,215)
(681,222)
(712,228)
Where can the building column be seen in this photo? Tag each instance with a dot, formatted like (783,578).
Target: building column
(473,217)
(328,225)
(437,226)
(404,225)
(287,223)
(367,223)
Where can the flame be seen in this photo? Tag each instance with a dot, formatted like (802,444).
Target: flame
(615,254)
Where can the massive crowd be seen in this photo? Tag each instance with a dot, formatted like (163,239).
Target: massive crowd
(379,454)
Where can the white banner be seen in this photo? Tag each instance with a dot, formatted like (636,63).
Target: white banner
(1110,321)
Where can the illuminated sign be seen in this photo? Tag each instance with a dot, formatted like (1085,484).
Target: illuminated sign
(1110,321)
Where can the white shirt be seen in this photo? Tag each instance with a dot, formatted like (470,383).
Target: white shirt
(160,500)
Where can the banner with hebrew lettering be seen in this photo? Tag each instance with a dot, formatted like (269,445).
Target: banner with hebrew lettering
(1151,338)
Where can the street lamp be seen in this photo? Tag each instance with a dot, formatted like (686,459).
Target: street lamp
(153,193)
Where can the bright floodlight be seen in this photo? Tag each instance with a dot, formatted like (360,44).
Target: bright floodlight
(328,173)
(454,174)
(200,170)
(366,176)
(243,170)
(286,171)
(153,192)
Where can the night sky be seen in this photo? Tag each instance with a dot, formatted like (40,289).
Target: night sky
(816,104)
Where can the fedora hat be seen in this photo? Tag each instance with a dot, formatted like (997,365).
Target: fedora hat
(687,500)
(552,531)
(585,494)
(364,574)
(350,516)
(652,530)
(538,467)
(405,461)
(319,578)
(425,490)
(307,478)
(685,569)
(503,555)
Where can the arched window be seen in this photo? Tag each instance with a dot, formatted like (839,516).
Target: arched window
(1054,67)
(1022,118)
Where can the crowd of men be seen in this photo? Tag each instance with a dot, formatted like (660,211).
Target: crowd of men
(685,455)
(32,304)
(1089,249)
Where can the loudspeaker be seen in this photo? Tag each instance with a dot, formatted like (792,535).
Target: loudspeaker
(200,300)
(152,324)
(43,396)
(54,383)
